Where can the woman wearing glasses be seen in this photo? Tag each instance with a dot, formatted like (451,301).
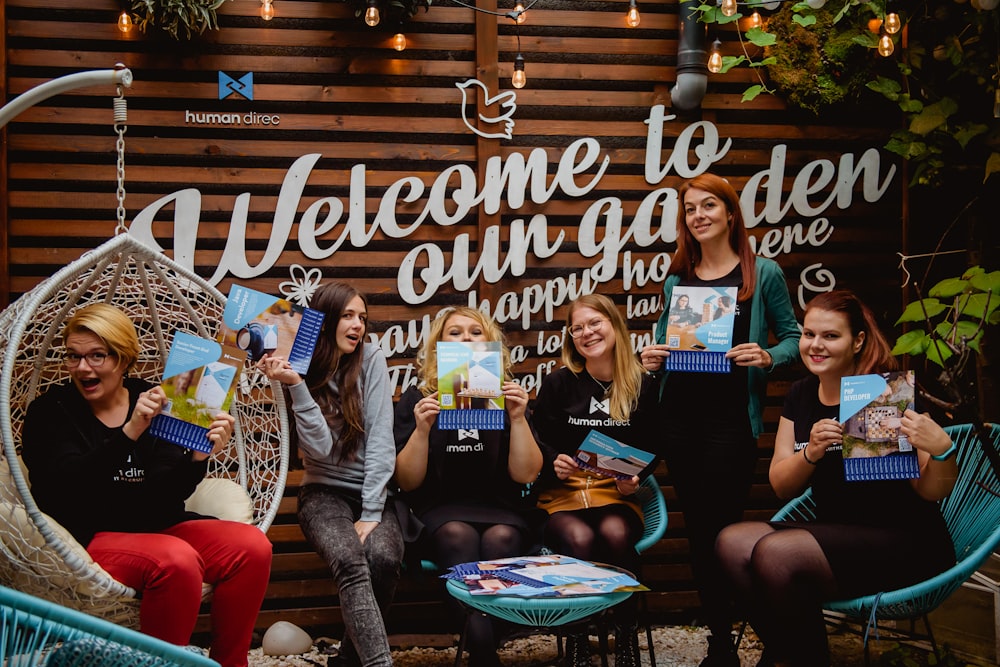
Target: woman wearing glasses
(601,387)
(711,421)
(467,486)
(120,492)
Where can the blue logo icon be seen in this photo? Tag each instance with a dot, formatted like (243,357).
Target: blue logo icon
(242,86)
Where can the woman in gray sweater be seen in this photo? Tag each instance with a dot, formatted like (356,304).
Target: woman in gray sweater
(342,414)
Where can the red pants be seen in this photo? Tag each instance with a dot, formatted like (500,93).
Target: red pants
(168,568)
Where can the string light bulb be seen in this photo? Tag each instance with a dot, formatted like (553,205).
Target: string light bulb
(728,7)
(399,41)
(715,58)
(632,17)
(372,15)
(520,16)
(266,10)
(518,79)
(885,45)
(124,21)
(892,23)
(755,20)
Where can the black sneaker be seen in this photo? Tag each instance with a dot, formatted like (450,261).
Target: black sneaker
(721,653)
(626,647)
(578,651)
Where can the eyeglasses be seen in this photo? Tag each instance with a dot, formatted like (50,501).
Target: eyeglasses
(94,359)
(593,325)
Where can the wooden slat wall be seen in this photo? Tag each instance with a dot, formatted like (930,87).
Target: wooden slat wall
(342,92)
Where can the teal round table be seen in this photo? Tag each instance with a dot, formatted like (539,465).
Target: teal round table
(536,612)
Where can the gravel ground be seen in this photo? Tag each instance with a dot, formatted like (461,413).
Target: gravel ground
(675,646)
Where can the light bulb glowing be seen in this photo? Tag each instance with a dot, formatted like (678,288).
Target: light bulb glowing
(399,41)
(266,10)
(715,58)
(372,15)
(519,13)
(885,46)
(728,7)
(755,20)
(632,17)
(892,23)
(124,22)
(518,79)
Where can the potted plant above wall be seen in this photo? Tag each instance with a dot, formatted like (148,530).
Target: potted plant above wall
(181,19)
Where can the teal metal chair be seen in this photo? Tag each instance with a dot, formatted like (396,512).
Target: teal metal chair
(34,631)
(972,513)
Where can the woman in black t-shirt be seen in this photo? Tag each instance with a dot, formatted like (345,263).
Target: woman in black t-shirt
(867,533)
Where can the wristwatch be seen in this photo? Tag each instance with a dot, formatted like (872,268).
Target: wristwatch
(947,454)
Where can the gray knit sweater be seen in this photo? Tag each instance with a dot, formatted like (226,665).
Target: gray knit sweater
(368,474)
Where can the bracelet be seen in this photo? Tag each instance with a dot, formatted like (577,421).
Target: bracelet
(806,456)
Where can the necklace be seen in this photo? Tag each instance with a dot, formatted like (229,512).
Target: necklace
(607,389)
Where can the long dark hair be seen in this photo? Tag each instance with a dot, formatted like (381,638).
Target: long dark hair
(344,408)
(875,355)
(688,252)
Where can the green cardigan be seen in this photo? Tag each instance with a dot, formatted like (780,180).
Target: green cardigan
(770,308)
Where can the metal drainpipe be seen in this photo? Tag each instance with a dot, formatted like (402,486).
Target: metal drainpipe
(692,67)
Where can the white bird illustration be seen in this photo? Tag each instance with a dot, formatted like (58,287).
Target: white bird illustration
(504,103)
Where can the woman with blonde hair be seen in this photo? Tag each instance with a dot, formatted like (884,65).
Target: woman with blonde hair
(467,486)
(602,387)
(120,491)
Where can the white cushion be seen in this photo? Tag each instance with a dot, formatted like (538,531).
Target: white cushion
(222,498)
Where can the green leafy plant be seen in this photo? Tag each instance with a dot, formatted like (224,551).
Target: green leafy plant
(178,18)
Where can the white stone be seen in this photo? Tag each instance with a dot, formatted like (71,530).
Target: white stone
(284,638)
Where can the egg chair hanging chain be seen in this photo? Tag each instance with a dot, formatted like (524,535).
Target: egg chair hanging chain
(121,118)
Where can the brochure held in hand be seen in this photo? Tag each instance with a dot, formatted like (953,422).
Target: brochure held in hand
(553,575)
(700,329)
(470,377)
(871,407)
(262,324)
(199,381)
(603,455)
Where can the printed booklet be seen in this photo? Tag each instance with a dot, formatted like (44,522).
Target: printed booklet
(700,329)
(870,410)
(606,456)
(470,377)
(262,324)
(199,381)
(542,576)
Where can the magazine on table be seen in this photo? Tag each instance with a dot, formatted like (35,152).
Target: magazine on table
(199,380)
(700,328)
(603,455)
(552,575)
(871,407)
(470,381)
(260,324)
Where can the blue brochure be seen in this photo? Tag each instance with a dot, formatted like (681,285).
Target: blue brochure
(870,409)
(199,381)
(606,456)
(262,324)
(470,377)
(700,328)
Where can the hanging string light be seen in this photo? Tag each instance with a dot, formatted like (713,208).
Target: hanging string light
(632,17)
(399,41)
(124,21)
(266,10)
(520,14)
(755,20)
(715,58)
(372,15)
(885,45)
(728,7)
(519,78)
(892,23)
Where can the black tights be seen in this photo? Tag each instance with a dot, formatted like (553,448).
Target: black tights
(780,578)
(459,542)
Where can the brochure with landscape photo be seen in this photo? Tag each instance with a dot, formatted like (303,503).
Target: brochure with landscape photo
(870,410)
(603,455)
(470,377)
(700,328)
(552,575)
(199,381)
(262,324)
